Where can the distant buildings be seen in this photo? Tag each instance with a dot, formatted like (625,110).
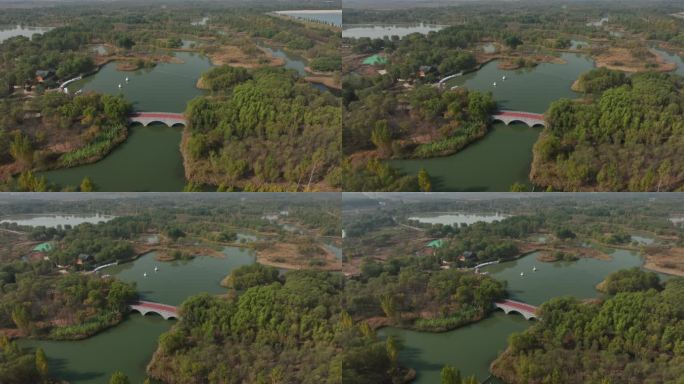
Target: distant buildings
(467,256)
(423,70)
(44,74)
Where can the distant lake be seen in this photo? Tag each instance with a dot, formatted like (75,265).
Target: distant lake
(8,31)
(459,218)
(328,16)
(379,31)
(677,220)
(55,220)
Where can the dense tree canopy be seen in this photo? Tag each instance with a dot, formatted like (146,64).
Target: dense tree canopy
(63,307)
(627,138)
(268,130)
(633,337)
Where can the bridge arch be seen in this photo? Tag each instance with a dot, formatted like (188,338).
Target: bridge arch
(528,118)
(529,312)
(513,311)
(166,118)
(167,312)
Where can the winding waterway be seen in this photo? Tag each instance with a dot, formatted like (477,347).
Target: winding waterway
(128,347)
(504,155)
(472,348)
(167,87)
(150,159)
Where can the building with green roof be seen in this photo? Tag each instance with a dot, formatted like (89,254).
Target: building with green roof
(43,247)
(435,243)
(375,60)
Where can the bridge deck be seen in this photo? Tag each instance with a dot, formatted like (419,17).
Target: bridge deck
(159,115)
(519,305)
(518,114)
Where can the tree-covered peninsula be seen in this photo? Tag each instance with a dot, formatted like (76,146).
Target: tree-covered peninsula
(627,134)
(262,130)
(633,336)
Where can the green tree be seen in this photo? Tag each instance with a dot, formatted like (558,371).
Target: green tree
(119,378)
(41,363)
(388,305)
(21,318)
(424,180)
(28,182)
(392,351)
(450,375)
(513,41)
(86,185)
(381,137)
(21,149)
(518,187)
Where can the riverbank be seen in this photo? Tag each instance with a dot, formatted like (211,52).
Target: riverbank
(626,60)
(55,155)
(201,172)
(235,56)
(668,261)
(290,256)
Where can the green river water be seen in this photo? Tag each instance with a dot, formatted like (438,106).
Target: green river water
(472,348)
(504,155)
(129,346)
(150,159)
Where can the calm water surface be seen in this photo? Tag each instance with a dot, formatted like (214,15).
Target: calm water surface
(55,220)
(504,155)
(19,30)
(333,17)
(492,163)
(165,88)
(471,349)
(381,31)
(128,347)
(459,218)
(149,160)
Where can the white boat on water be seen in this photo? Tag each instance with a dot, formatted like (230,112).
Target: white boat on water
(494,84)
(145,274)
(522,273)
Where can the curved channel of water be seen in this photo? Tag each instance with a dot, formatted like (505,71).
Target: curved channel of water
(472,348)
(150,159)
(504,155)
(494,163)
(167,87)
(128,347)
